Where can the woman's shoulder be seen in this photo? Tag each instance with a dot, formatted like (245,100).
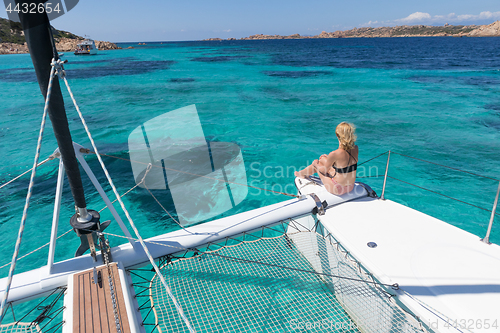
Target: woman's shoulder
(343,151)
(335,152)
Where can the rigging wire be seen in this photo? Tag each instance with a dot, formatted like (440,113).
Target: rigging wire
(441,194)
(28,196)
(376,176)
(173,218)
(50,158)
(67,232)
(446,319)
(133,187)
(246,260)
(38,249)
(445,166)
(394,286)
(115,191)
(194,174)
(372,158)
(88,151)
(36,164)
(121,196)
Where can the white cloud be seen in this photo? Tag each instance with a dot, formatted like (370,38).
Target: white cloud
(489,15)
(415,17)
(451,18)
(228,30)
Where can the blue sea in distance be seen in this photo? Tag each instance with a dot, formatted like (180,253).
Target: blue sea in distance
(436,99)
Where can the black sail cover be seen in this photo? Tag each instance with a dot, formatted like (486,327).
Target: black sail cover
(39,38)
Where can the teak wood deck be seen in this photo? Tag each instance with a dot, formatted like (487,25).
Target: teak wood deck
(92,304)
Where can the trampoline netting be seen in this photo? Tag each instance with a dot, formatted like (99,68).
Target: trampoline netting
(281,278)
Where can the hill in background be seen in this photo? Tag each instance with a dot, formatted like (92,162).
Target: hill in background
(12,39)
(12,32)
(397,31)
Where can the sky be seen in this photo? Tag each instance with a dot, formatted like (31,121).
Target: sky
(169,20)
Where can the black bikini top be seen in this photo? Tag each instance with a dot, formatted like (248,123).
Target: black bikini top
(347,169)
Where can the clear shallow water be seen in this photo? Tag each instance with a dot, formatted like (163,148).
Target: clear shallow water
(432,98)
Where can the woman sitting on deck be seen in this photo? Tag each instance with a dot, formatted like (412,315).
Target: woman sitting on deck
(337,170)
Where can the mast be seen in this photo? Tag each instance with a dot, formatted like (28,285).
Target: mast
(42,49)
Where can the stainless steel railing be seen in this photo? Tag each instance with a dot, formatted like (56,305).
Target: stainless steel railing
(385,176)
(486,239)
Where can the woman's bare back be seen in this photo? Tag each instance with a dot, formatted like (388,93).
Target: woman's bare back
(343,159)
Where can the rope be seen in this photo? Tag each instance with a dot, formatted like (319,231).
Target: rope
(394,286)
(376,176)
(28,196)
(194,174)
(373,281)
(47,308)
(133,187)
(373,158)
(158,202)
(50,158)
(423,188)
(435,312)
(445,166)
(88,151)
(151,259)
(124,194)
(444,195)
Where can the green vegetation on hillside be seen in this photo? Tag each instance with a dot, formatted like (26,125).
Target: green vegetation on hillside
(12,32)
(432,30)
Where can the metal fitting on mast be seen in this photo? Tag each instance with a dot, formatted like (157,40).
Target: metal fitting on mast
(83,215)
(87,230)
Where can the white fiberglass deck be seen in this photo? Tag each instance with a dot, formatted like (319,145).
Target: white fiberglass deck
(447,268)
(41,280)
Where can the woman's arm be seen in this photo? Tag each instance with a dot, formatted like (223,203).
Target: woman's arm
(325,163)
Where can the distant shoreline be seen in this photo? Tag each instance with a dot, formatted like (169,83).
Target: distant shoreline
(63,45)
(12,39)
(490,30)
(14,43)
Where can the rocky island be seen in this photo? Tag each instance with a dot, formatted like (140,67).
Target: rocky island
(12,39)
(397,31)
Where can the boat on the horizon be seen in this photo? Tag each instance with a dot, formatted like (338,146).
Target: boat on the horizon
(86,47)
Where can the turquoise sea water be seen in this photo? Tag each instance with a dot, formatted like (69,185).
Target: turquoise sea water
(436,99)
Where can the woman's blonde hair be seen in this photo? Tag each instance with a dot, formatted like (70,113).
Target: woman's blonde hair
(345,134)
